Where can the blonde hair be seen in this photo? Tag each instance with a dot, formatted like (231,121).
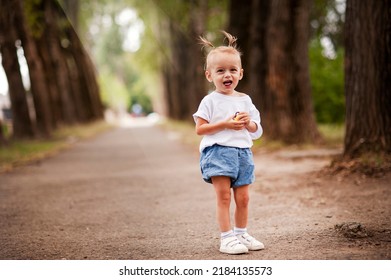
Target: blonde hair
(230,48)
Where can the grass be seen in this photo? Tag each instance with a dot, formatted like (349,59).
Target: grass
(20,152)
(332,137)
(333,134)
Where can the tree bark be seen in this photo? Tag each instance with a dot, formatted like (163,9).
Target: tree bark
(176,84)
(21,122)
(195,73)
(368,77)
(50,81)
(86,76)
(39,88)
(3,140)
(257,57)
(57,64)
(183,77)
(239,26)
(62,75)
(291,118)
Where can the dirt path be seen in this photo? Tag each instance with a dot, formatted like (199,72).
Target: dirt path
(136,193)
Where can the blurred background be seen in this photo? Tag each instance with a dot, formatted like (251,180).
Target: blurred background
(68,62)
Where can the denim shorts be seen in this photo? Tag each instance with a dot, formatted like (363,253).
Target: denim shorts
(236,163)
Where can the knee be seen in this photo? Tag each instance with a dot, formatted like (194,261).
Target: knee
(242,200)
(224,198)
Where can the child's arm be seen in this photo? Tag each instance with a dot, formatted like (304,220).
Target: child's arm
(252,127)
(203,127)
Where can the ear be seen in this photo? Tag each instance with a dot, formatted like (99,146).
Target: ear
(241,74)
(208,76)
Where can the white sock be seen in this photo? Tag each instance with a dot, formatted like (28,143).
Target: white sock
(239,230)
(227,234)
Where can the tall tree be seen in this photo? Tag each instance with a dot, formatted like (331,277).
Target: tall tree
(257,67)
(28,31)
(239,25)
(55,61)
(84,68)
(22,126)
(184,84)
(368,77)
(69,59)
(274,40)
(62,75)
(290,117)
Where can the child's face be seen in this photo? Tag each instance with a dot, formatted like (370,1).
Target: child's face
(224,70)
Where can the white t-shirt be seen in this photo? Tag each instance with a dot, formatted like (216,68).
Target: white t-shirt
(216,107)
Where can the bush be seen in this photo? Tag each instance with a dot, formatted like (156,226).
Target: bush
(327,82)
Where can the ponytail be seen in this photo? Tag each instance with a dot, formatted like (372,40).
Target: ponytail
(231,47)
(231,39)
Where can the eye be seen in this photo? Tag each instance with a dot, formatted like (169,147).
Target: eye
(220,70)
(234,70)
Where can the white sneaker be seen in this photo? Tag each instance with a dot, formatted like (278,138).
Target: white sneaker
(232,245)
(250,242)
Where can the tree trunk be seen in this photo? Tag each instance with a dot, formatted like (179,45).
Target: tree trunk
(184,80)
(22,125)
(3,140)
(86,77)
(21,122)
(61,72)
(368,77)
(291,118)
(71,8)
(176,67)
(56,65)
(239,26)
(50,81)
(257,57)
(76,90)
(195,61)
(39,88)
(82,64)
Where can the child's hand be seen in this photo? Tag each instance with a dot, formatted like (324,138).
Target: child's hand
(238,121)
(242,117)
(246,120)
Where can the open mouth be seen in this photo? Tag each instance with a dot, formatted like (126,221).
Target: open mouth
(227,83)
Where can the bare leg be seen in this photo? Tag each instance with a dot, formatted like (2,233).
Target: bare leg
(222,185)
(241,197)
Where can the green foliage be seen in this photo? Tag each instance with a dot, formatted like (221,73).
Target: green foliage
(109,47)
(4,130)
(327,83)
(327,20)
(138,73)
(35,17)
(143,100)
(122,83)
(114,93)
(217,15)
